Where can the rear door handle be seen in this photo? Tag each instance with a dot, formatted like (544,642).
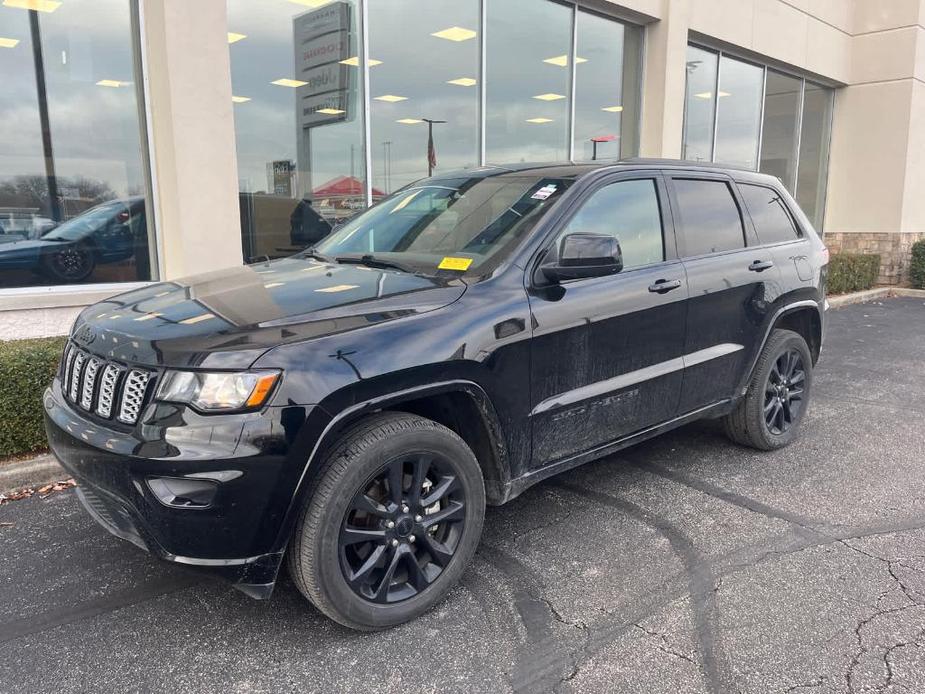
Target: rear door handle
(662,286)
(760,265)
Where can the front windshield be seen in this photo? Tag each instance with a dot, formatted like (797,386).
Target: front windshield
(84,224)
(466,224)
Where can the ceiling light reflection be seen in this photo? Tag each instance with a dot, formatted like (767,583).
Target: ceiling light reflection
(455,34)
(286,82)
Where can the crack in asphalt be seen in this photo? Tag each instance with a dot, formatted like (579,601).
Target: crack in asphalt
(665,646)
(701,581)
(807,685)
(862,650)
(805,535)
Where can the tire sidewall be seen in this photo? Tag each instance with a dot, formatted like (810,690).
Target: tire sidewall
(351,608)
(780,343)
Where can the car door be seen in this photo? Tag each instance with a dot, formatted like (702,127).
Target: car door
(731,285)
(606,351)
(776,228)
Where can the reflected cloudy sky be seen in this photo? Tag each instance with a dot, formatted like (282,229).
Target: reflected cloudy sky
(418,66)
(94,128)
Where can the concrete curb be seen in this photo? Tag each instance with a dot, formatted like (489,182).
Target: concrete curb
(872,295)
(34,472)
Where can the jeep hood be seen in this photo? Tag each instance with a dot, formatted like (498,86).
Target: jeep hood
(227,319)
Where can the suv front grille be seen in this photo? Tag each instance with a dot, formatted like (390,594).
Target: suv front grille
(102,387)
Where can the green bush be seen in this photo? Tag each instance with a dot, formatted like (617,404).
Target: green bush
(917,266)
(26,369)
(849,272)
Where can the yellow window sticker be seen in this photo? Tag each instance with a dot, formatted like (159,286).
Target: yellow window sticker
(451,263)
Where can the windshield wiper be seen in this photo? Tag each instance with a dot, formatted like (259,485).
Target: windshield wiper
(373,261)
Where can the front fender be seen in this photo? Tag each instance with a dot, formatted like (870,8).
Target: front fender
(324,424)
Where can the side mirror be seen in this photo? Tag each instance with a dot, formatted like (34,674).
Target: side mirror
(585,255)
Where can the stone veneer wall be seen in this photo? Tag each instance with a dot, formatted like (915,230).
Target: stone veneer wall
(895,250)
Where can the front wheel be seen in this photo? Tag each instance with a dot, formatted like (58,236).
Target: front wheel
(770,413)
(394,519)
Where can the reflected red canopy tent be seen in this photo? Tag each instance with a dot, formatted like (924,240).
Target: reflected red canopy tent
(344,186)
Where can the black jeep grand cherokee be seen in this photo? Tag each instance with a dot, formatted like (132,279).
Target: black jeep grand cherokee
(353,408)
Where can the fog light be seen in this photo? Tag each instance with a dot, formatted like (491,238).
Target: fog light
(183,493)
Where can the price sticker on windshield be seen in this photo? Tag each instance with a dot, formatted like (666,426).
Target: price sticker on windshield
(544,192)
(451,263)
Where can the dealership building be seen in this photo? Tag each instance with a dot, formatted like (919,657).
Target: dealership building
(145,140)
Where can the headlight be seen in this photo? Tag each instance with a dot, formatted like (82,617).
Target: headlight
(217,392)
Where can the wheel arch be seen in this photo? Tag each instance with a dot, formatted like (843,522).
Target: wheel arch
(803,318)
(461,405)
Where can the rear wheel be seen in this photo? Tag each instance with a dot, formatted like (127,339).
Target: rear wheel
(770,413)
(71,263)
(395,517)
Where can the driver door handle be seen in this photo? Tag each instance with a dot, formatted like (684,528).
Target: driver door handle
(662,286)
(760,265)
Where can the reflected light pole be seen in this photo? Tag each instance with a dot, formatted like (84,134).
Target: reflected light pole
(39,60)
(387,165)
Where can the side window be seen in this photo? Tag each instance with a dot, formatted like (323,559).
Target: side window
(709,216)
(771,219)
(627,210)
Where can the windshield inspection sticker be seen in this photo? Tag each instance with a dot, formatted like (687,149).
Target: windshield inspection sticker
(544,192)
(451,263)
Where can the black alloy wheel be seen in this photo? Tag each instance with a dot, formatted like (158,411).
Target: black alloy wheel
(402,528)
(769,415)
(783,393)
(392,521)
(73,263)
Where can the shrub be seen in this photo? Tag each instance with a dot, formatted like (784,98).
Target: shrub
(917,266)
(26,368)
(849,272)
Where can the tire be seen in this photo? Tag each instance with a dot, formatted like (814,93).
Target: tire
(769,415)
(68,265)
(359,469)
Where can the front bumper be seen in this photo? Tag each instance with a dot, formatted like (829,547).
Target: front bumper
(236,535)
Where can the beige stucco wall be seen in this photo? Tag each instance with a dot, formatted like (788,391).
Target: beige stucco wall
(877,165)
(192,128)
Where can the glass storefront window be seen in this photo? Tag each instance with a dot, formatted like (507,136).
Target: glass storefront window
(780,127)
(430,66)
(300,100)
(814,150)
(700,102)
(738,118)
(787,117)
(606,88)
(73,203)
(296,83)
(527,81)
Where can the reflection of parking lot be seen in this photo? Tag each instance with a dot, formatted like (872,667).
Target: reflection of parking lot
(684,564)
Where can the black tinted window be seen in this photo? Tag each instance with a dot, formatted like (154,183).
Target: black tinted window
(710,219)
(629,211)
(772,221)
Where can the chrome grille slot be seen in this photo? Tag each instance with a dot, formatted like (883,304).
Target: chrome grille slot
(133,395)
(107,393)
(69,355)
(76,371)
(107,389)
(86,392)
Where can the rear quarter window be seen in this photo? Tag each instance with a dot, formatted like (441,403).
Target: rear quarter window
(709,216)
(772,221)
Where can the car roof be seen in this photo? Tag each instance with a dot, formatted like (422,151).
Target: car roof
(579,169)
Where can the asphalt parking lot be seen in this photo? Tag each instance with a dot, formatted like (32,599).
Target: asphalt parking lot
(685,564)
